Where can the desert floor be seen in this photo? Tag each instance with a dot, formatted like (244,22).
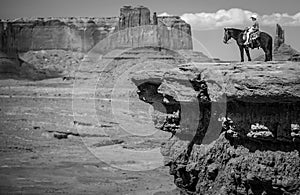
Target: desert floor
(96,150)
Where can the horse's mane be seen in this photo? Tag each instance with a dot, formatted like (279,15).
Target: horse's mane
(235,32)
(235,29)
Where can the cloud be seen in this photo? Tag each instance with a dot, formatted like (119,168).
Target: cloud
(283,19)
(221,18)
(164,14)
(236,17)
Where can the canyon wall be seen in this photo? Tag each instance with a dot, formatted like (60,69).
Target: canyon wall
(235,127)
(77,34)
(133,28)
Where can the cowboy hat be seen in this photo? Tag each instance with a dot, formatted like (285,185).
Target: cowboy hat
(254,16)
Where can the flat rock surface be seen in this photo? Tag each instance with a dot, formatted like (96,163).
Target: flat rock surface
(253,81)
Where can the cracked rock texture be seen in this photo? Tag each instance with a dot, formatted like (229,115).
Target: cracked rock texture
(235,126)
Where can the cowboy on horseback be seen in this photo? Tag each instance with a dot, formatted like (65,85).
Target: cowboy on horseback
(264,41)
(254,28)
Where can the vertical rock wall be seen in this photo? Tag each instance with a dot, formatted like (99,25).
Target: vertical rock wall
(79,34)
(137,30)
(131,17)
(279,39)
(132,29)
(178,33)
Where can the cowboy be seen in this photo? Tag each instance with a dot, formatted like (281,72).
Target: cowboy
(252,29)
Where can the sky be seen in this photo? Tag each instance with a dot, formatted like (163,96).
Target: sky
(207,17)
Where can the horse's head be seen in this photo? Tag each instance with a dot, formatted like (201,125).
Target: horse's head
(227,35)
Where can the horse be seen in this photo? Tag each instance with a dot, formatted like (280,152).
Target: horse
(264,40)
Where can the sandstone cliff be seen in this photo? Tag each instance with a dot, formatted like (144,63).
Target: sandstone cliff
(34,40)
(131,17)
(81,34)
(76,34)
(235,126)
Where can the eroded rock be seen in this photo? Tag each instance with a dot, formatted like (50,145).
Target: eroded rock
(81,34)
(235,126)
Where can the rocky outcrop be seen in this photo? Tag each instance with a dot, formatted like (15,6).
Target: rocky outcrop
(235,126)
(133,28)
(39,65)
(131,17)
(279,38)
(76,34)
(177,33)
(282,51)
(196,56)
(295,57)
(286,53)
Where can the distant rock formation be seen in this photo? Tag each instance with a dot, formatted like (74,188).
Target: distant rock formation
(131,17)
(134,35)
(279,38)
(154,19)
(76,34)
(133,28)
(282,51)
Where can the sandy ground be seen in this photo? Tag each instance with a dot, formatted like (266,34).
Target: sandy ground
(106,147)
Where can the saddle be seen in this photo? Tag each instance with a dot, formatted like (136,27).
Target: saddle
(254,35)
(253,39)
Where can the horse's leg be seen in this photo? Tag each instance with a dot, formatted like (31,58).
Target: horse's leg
(242,53)
(265,49)
(248,53)
(268,55)
(270,49)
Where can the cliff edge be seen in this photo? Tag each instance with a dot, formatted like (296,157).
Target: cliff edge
(235,127)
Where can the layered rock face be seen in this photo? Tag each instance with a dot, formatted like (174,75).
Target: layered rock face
(131,17)
(76,34)
(235,126)
(177,33)
(133,28)
(138,30)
